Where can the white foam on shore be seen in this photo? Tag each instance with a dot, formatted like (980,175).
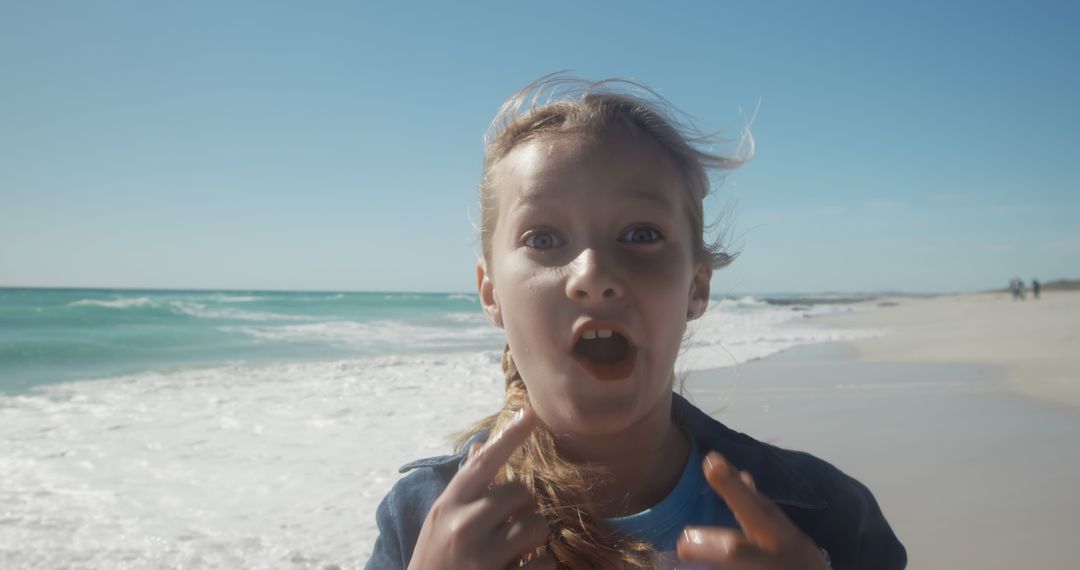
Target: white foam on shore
(272,465)
(734,332)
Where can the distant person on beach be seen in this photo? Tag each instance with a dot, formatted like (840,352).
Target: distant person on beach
(594,259)
(1036,287)
(1016,286)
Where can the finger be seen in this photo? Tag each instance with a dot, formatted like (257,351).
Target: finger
(502,503)
(706,544)
(472,480)
(520,536)
(748,479)
(756,514)
(726,547)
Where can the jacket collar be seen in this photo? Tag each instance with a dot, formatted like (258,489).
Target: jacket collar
(444,460)
(773,475)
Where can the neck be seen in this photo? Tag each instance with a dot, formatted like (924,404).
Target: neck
(644,462)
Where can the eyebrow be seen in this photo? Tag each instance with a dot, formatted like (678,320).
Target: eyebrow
(534,198)
(653,198)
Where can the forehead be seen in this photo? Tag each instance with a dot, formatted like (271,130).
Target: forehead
(621,163)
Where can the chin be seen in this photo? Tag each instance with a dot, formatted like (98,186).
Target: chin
(594,416)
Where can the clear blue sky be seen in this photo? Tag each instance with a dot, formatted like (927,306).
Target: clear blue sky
(915,146)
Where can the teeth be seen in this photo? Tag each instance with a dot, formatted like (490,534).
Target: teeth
(596,333)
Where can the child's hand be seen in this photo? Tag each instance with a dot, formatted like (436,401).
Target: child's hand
(770,541)
(475,526)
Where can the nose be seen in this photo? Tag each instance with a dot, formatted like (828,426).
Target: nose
(590,281)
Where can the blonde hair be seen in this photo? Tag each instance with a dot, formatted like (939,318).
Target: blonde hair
(553,105)
(557,104)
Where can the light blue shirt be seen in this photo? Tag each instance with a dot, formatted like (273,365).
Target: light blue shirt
(691,503)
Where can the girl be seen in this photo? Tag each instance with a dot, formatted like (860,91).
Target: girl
(594,260)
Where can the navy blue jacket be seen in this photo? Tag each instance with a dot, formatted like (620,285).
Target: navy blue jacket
(834,510)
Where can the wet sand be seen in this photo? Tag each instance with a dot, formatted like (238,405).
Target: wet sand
(969,471)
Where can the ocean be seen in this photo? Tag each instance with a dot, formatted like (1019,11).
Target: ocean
(252,429)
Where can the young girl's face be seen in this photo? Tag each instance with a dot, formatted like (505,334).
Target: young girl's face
(592,273)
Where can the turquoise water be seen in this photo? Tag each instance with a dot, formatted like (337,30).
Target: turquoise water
(50,336)
(249,429)
(57,335)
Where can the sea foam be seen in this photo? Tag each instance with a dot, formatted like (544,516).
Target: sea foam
(379,336)
(278,464)
(202,311)
(121,303)
(269,466)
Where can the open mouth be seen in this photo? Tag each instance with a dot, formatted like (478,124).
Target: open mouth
(605,354)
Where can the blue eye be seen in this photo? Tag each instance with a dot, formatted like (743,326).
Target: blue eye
(541,240)
(641,234)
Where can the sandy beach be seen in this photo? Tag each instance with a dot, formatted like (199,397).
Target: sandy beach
(1034,342)
(961,417)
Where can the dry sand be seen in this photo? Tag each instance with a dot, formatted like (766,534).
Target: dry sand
(935,417)
(1036,343)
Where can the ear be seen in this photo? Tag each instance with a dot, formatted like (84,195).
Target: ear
(488,300)
(699,292)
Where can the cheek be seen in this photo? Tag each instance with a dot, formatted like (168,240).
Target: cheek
(664,280)
(528,301)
